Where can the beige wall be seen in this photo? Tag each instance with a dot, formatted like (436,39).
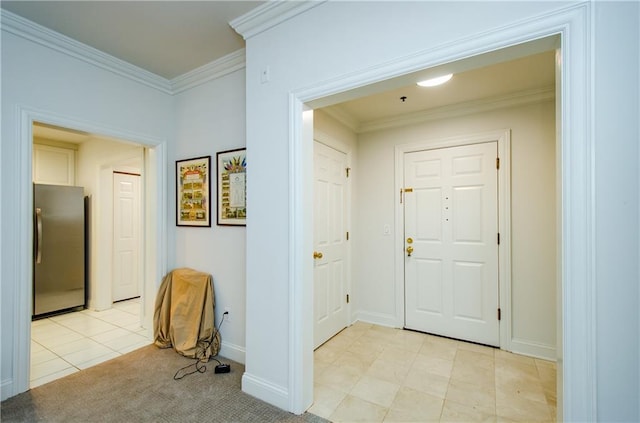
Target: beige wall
(97,159)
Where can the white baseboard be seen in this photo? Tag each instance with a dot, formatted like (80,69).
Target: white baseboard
(233,352)
(265,391)
(378,319)
(532,349)
(6,389)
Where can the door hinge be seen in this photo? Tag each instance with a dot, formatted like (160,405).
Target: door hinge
(499,314)
(348,169)
(347,236)
(498,238)
(497,162)
(347,298)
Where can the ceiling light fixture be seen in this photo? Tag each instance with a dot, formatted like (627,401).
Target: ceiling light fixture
(435,81)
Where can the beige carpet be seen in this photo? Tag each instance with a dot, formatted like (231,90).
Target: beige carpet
(139,387)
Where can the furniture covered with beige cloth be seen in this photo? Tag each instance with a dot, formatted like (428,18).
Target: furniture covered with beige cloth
(184,314)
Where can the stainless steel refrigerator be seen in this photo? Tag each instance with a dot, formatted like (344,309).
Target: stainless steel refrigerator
(59,248)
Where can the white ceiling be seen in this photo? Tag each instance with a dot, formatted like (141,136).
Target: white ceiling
(523,75)
(168,38)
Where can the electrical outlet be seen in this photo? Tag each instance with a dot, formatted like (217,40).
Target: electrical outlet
(227,311)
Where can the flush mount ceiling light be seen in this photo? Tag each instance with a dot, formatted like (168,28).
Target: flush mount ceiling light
(435,81)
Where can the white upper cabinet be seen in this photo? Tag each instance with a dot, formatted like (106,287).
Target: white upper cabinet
(53,165)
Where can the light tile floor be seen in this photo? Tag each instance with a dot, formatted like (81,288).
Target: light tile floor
(65,344)
(370,373)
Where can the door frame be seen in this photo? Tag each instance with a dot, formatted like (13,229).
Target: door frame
(331,142)
(576,223)
(503,139)
(155,240)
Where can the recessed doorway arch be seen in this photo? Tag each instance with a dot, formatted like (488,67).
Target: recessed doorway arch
(574,177)
(155,243)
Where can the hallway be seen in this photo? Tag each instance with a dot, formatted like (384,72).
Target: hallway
(378,374)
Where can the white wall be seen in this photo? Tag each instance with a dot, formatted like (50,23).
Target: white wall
(616,97)
(532,215)
(41,81)
(208,119)
(341,44)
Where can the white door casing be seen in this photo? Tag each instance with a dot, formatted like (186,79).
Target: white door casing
(330,244)
(577,382)
(126,236)
(154,262)
(451,224)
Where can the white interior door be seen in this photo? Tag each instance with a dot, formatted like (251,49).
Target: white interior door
(330,249)
(451,225)
(126,236)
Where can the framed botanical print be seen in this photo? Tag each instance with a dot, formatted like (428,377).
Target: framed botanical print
(232,187)
(193,192)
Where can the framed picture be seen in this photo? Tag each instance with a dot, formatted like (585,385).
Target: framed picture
(193,192)
(232,187)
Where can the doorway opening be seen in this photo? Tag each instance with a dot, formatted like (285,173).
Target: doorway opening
(92,159)
(396,319)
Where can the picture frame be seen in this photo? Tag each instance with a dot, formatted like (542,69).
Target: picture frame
(193,192)
(232,187)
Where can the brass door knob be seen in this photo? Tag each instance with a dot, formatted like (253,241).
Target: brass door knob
(317,255)
(409,251)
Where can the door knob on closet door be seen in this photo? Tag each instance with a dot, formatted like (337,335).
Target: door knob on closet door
(409,251)
(317,255)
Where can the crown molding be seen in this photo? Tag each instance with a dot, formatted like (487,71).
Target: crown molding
(347,119)
(31,31)
(213,70)
(270,14)
(459,109)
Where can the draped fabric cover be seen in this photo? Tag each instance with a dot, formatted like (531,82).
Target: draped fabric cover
(184,314)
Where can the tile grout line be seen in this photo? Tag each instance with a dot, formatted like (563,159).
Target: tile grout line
(446,392)
(84,336)
(494,356)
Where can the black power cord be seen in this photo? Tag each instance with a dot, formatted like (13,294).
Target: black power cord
(199,366)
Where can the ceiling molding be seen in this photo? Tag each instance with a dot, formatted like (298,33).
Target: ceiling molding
(213,70)
(38,34)
(31,31)
(270,14)
(460,109)
(338,113)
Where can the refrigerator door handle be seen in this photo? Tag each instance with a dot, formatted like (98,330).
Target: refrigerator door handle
(38,235)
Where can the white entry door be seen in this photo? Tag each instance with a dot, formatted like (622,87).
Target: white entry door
(451,245)
(330,249)
(126,236)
